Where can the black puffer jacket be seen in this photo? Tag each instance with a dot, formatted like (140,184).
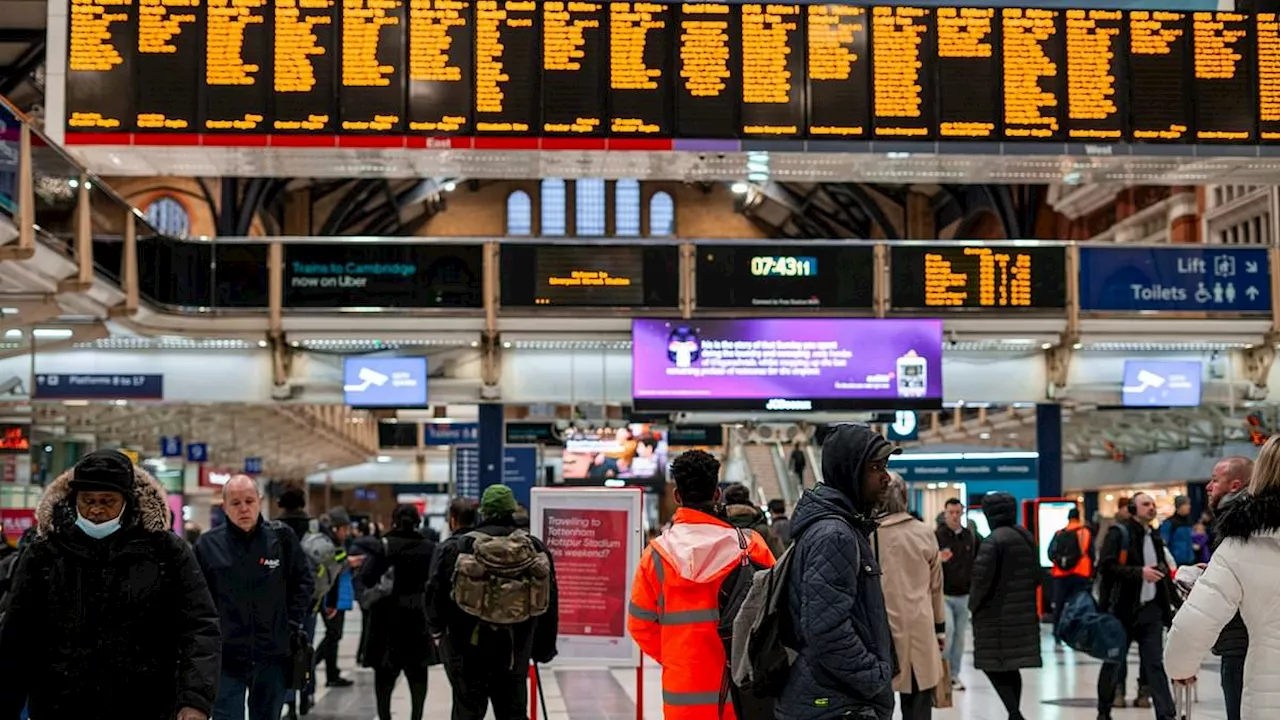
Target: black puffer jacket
(1233,641)
(844,666)
(100,629)
(1006,629)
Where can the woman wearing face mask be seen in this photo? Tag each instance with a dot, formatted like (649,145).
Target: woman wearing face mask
(109,613)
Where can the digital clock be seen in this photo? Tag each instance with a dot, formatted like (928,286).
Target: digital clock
(784,266)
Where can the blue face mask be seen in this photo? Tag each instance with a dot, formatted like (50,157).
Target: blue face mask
(97,531)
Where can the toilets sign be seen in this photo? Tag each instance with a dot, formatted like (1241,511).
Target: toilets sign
(1173,279)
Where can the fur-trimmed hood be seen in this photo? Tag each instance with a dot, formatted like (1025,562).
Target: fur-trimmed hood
(1250,515)
(56,510)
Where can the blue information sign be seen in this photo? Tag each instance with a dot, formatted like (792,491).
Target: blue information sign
(466,471)
(451,433)
(520,471)
(1200,279)
(170,446)
(253,466)
(99,387)
(197,452)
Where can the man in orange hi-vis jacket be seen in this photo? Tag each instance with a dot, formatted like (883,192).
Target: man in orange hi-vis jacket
(674,613)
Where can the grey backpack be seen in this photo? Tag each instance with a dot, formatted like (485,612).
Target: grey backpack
(504,580)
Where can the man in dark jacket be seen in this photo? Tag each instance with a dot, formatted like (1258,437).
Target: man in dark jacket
(1177,530)
(262,586)
(844,665)
(958,546)
(1135,588)
(742,513)
(490,664)
(779,523)
(293,501)
(1229,480)
(109,616)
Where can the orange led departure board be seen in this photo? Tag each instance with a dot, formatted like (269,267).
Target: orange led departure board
(708,95)
(772,70)
(1267,32)
(1158,83)
(371,91)
(1097,91)
(903,39)
(967,58)
(1222,77)
(304,74)
(839,86)
(237,54)
(1034,67)
(169,53)
(640,76)
(507,96)
(574,67)
(100,43)
(441,56)
(972,277)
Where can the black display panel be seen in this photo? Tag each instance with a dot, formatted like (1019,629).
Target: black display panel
(1226,106)
(903,47)
(305,67)
(441,66)
(708,95)
(102,39)
(410,276)
(977,277)
(1267,36)
(575,45)
(838,71)
(237,66)
(1033,98)
(371,92)
(507,97)
(1159,83)
(170,54)
(785,276)
(773,45)
(590,276)
(641,76)
(968,72)
(1097,77)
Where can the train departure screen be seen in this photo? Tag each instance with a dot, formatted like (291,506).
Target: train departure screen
(574,41)
(968,73)
(441,54)
(903,41)
(305,71)
(640,77)
(100,45)
(839,87)
(1158,82)
(1225,107)
(236,58)
(372,94)
(507,97)
(773,47)
(1034,71)
(1097,94)
(170,45)
(1267,29)
(708,93)
(975,277)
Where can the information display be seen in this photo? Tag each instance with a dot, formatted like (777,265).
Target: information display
(968,57)
(305,50)
(977,277)
(1034,64)
(101,40)
(773,45)
(837,69)
(596,276)
(1226,106)
(372,90)
(640,69)
(1097,80)
(1267,34)
(387,276)
(1159,49)
(574,68)
(709,57)
(441,62)
(507,97)
(903,40)
(169,53)
(236,62)
(782,276)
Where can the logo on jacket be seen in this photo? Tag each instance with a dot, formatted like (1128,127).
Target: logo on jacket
(269,563)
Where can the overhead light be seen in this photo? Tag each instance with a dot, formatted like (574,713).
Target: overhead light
(1110,497)
(9,311)
(1077,346)
(120,403)
(1079,498)
(984,436)
(384,458)
(1018,341)
(1045,346)
(450,186)
(506,345)
(740,188)
(73,183)
(75,403)
(932,486)
(262,343)
(615,483)
(13,334)
(52,333)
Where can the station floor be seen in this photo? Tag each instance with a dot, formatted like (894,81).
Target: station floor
(1063,689)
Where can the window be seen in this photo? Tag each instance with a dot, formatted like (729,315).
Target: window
(553,207)
(519,214)
(626,208)
(662,215)
(169,217)
(589,207)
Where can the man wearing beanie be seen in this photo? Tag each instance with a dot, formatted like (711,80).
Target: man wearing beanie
(109,614)
(489,663)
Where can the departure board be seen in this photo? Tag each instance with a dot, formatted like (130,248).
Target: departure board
(977,277)
(575,39)
(1034,64)
(1226,106)
(709,90)
(1097,91)
(640,76)
(1160,106)
(839,88)
(776,276)
(1267,35)
(903,42)
(441,53)
(102,37)
(237,60)
(507,97)
(170,50)
(305,51)
(968,73)
(371,90)
(773,45)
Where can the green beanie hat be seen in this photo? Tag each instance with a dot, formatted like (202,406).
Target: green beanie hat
(497,501)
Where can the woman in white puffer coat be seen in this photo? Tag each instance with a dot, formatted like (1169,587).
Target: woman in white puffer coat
(1243,575)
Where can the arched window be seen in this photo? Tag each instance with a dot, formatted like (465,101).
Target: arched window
(626,208)
(519,214)
(662,215)
(169,217)
(589,207)
(553,207)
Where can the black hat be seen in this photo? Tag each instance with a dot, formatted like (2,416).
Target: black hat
(103,470)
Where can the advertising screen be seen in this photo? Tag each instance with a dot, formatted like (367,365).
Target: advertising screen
(795,364)
(1050,518)
(1161,383)
(410,276)
(637,451)
(384,382)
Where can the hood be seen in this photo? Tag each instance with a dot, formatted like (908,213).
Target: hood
(1001,509)
(896,519)
(1250,515)
(740,514)
(1227,500)
(845,453)
(822,502)
(698,546)
(56,511)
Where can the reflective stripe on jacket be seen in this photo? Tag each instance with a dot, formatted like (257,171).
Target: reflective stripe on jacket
(674,612)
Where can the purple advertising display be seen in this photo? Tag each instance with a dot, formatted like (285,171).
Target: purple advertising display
(791,364)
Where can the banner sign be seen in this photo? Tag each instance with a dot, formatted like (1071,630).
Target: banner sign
(451,433)
(965,469)
(99,387)
(382,275)
(1226,280)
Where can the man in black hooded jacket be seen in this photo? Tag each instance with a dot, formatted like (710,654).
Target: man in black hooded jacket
(844,666)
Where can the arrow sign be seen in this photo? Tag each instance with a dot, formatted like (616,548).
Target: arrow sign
(1252,292)
(1251,267)
(1173,279)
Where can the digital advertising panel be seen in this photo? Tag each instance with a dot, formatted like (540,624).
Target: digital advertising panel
(1161,383)
(384,382)
(637,451)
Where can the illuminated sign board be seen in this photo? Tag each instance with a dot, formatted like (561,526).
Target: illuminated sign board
(977,277)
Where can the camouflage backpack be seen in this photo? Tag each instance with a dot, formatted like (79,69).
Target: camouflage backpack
(504,580)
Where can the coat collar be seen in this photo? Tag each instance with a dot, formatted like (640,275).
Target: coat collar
(1251,515)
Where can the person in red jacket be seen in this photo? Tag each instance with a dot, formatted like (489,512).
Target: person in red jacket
(674,611)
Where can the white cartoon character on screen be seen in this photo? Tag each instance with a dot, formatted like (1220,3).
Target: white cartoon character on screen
(683,346)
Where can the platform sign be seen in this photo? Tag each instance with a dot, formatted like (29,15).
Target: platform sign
(1203,279)
(197,452)
(435,434)
(99,387)
(171,446)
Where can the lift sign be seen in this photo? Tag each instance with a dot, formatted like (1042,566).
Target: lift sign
(1155,279)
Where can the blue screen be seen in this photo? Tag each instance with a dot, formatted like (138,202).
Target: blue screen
(384,382)
(1161,383)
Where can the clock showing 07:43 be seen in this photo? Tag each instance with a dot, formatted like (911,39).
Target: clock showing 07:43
(788,266)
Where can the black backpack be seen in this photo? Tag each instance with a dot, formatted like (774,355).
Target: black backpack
(1065,550)
(733,592)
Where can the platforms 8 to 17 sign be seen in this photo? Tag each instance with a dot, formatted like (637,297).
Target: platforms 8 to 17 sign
(1203,279)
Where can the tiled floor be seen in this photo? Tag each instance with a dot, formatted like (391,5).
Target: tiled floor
(1063,689)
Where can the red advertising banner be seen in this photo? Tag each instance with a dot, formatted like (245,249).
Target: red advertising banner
(589,547)
(16,521)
